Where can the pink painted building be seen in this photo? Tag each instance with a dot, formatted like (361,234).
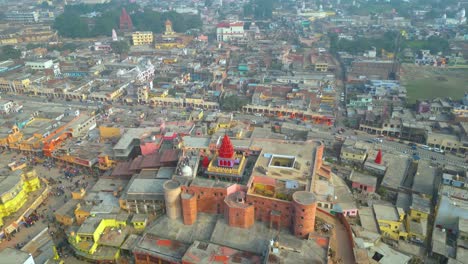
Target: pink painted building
(363,182)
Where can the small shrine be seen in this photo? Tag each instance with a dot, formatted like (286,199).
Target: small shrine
(171,39)
(227,164)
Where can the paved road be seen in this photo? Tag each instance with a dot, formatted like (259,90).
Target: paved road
(321,133)
(397,147)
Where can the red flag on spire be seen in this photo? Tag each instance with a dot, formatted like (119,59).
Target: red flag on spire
(378,158)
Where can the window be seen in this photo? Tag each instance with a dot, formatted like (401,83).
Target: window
(303,210)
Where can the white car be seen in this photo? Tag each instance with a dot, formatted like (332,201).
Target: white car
(380,140)
(425,147)
(438,150)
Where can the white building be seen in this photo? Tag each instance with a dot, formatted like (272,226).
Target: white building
(22,17)
(226,31)
(452,205)
(40,64)
(6,106)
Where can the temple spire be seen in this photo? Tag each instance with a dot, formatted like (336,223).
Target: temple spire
(227,149)
(378,158)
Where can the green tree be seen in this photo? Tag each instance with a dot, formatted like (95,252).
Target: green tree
(172,92)
(44,5)
(263,9)
(71,25)
(9,52)
(105,23)
(120,47)
(247,10)
(232,103)
(31,46)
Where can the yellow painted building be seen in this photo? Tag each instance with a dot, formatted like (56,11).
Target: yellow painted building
(82,213)
(12,137)
(169,60)
(9,40)
(390,221)
(14,190)
(15,84)
(420,209)
(86,240)
(417,218)
(353,155)
(78,195)
(321,67)
(139,221)
(196,115)
(171,39)
(221,123)
(170,45)
(65,214)
(213,167)
(109,132)
(142,38)
(446,142)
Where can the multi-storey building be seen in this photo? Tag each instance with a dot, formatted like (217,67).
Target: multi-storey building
(22,17)
(89,243)
(227,31)
(390,221)
(142,38)
(272,199)
(40,64)
(15,187)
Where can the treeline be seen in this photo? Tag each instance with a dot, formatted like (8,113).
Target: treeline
(387,42)
(73,24)
(259,9)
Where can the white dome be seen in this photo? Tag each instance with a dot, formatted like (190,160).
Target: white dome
(187,171)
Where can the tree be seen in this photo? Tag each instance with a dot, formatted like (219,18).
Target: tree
(44,5)
(120,47)
(172,92)
(232,103)
(31,46)
(9,52)
(263,9)
(71,25)
(105,23)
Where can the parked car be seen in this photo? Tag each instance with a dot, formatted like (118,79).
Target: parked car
(425,147)
(438,150)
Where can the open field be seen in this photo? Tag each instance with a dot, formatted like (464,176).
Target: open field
(427,82)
